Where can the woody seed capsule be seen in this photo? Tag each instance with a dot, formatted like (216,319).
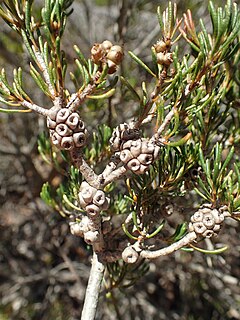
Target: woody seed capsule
(79,139)
(63,130)
(67,143)
(51,124)
(99,198)
(92,210)
(133,165)
(125,156)
(72,120)
(56,139)
(62,115)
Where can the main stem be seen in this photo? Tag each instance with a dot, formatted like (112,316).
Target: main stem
(93,289)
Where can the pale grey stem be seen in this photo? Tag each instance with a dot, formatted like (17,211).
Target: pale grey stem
(78,99)
(43,68)
(58,102)
(35,107)
(93,289)
(111,166)
(164,124)
(115,175)
(168,250)
(88,173)
(90,176)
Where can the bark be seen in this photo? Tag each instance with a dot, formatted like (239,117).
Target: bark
(93,289)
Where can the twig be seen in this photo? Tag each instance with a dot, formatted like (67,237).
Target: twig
(43,68)
(111,166)
(165,123)
(93,289)
(168,250)
(90,176)
(116,174)
(35,107)
(78,98)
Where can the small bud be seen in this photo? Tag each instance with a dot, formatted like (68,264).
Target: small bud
(91,236)
(127,145)
(208,220)
(86,192)
(197,216)
(75,229)
(160,46)
(52,113)
(208,233)
(56,139)
(106,45)
(97,53)
(115,54)
(112,67)
(147,146)
(164,58)
(136,147)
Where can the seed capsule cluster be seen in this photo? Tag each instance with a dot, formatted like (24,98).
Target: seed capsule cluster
(135,152)
(106,52)
(66,128)
(206,221)
(92,200)
(139,154)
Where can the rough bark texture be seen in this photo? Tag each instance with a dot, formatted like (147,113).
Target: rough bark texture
(93,289)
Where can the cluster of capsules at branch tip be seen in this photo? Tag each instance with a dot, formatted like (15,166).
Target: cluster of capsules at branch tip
(92,200)
(136,153)
(108,53)
(67,130)
(163,56)
(207,221)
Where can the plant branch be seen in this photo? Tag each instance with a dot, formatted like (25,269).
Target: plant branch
(93,289)
(168,250)
(111,166)
(115,175)
(78,98)
(88,173)
(34,107)
(165,123)
(43,68)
